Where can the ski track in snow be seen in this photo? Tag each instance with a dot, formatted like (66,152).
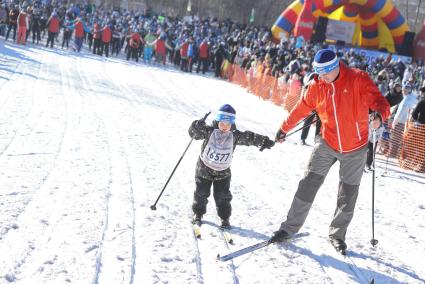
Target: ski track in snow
(87,144)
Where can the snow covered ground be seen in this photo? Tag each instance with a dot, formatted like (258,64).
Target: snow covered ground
(87,143)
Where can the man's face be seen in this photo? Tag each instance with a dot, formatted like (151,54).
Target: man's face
(331,76)
(224,126)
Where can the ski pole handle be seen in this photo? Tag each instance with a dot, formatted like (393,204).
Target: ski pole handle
(205,116)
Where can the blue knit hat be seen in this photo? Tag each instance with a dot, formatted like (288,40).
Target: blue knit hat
(226,113)
(325,61)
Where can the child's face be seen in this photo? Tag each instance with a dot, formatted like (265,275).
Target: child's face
(224,126)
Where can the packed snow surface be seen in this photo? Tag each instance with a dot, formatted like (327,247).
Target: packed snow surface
(87,144)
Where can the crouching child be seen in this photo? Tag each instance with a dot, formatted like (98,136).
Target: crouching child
(213,166)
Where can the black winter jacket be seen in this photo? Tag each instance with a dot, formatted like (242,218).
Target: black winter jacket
(204,132)
(418,113)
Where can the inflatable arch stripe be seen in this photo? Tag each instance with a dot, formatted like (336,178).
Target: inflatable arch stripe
(379,22)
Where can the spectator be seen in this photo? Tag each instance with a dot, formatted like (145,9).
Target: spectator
(400,118)
(203,57)
(3,19)
(53,29)
(106,40)
(418,113)
(375,128)
(23,26)
(134,45)
(13,22)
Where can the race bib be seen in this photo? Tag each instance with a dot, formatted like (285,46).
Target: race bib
(218,153)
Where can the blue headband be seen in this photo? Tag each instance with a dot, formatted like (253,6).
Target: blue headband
(226,117)
(326,67)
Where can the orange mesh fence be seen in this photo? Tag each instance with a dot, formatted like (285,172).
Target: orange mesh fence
(267,87)
(406,143)
(293,94)
(412,154)
(239,77)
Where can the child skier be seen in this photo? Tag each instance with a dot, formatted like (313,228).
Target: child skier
(213,166)
(375,124)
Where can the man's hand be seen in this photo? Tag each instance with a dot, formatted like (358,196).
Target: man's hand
(280,136)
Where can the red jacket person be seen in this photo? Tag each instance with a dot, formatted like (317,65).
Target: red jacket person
(342,97)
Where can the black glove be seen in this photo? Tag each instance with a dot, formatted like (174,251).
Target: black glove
(267,144)
(200,124)
(280,136)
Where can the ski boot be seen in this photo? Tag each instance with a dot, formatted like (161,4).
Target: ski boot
(280,236)
(339,245)
(197,220)
(225,224)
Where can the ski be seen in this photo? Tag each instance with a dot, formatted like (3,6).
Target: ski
(253,248)
(243,251)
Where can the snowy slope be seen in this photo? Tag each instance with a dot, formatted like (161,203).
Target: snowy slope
(87,143)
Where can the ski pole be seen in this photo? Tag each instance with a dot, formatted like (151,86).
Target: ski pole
(301,128)
(153,207)
(373,241)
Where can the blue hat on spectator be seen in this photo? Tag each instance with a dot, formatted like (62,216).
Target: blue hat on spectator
(325,61)
(226,113)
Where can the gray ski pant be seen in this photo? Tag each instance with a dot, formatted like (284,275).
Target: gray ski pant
(350,173)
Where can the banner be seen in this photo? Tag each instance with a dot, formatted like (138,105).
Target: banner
(340,30)
(372,55)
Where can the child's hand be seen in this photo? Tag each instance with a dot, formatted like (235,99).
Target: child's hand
(200,124)
(267,144)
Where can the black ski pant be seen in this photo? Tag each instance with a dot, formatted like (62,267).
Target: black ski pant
(307,125)
(36,35)
(132,53)
(50,39)
(65,38)
(105,49)
(222,196)
(97,45)
(204,62)
(13,28)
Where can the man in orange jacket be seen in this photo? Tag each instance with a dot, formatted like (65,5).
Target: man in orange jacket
(342,98)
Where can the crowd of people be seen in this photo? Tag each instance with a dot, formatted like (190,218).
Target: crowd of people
(207,44)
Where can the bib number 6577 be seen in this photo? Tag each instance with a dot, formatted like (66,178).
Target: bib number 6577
(218,157)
